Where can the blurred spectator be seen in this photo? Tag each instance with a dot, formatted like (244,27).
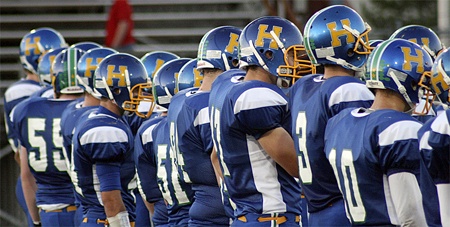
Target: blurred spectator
(119,27)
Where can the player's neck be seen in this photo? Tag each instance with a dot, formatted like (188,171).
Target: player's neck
(388,100)
(90,100)
(111,106)
(69,96)
(336,70)
(208,79)
(258,73)
(32,76)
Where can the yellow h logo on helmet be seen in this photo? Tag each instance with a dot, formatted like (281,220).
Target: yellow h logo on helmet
(425,41)
(119,77)
(29,46)
(197,78)
(233,43)
(264,34)
(90,67)
(335,34)
(158,63)
(410,58)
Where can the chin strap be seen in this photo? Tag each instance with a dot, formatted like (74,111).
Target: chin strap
(225,62)
(429,51)
(82,82)
(110,95)
(256,54)
(402,91)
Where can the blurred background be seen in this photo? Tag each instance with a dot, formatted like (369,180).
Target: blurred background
(176,26)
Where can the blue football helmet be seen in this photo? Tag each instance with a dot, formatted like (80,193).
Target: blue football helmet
(188,76)
(37,42)
(266,42)
(375,42)
(337,35)
(88,63)
(438,81)
(118,77)
(424,36)
(219,48)
(398,65)
(164,86)
(155,59)
(86,45)
(45,64)
(64,71)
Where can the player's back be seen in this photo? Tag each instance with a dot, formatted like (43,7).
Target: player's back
(176,104)
(177,193)
(102,138)
(363,160)
(427,185)
(146,167)
(39,125)
(314,100)
(195,145)
(15,94)
(255,182)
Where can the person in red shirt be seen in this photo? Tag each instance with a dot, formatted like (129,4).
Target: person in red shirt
(119,27)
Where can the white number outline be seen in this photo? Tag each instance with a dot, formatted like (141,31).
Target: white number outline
(40,164)
(179,194)
(304,166)
(356,211)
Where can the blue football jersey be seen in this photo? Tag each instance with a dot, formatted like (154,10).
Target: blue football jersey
(195,145)
(39,125)
(255,182)
(439,141)
(176,104)
(146,167)
(15,94)
(427,186)
(365,147)
(219,88)
(177,193)
(313,101)
(103,144)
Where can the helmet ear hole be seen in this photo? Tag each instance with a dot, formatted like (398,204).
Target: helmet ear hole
(269,54)
(116,91)
(235,62)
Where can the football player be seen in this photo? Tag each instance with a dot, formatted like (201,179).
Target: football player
(377,169)
(217,52)
(434,136)
(45,180)
(86,65)
(256,152)
(177,194)
(103,146)
(152,62)
(30,51)
(431,43)
(336,38)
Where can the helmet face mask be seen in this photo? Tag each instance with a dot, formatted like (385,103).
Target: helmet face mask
(115,77)
(398,65)
(37,42)
(438,81)
(337,35)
